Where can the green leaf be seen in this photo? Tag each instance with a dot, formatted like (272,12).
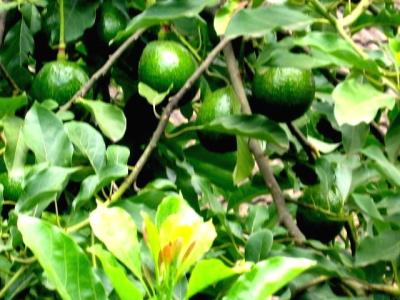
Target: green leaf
(323,146)
(16,150)
(383,247)
(115,168)
(244,162)
(42,187)
(259,245)
(109,118)
(164,11)
(224,15)
(384,166)
(31,16)
(367,205)
(125,288)
(256,126)
(354,137)
(267,277)
(204,274)
(79,15)
(8,105)
(152,96)
(64,262)
(44,134)
(358,102)
(117,230)
(18,44)
(256,22)
(257,216)
(392,141)
(89,142)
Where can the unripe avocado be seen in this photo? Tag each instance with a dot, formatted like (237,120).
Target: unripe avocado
(58,80)
(166,63)
(222,102)
(283,94)
(317,225)
(111,20)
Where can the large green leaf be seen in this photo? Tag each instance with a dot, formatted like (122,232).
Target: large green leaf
(16,150)
(259,21)
(384,166)
(8,105)
(255,126)
(124,287)
(44,134)
(115,168)
(89,142)
(117,230)
(164,11)
(109,118)
(357,102)
(244,161)
(367,206)
(79,15)
(18,44)
(204,274)
(383,247)
(42,187)
(259,245)
(267,277)
(64,262)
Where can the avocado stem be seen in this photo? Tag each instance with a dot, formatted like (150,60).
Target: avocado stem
(61,45)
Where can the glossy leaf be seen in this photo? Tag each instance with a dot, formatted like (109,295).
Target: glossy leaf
(386,168)
(358,102)
(124,287)
(367,206)
(162,12)
(259,245)
(8,105)
(256,126)
(152,96)
(79,15)
(66,265)
(110,118)
(16,150)
(392,141)
(204,274)
(267,277)
(256,22)
(44,134)
(383,247)
(117,230)
(89,142)
(42,187)
(244,162)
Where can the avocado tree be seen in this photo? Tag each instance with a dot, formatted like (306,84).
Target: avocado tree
(199,149)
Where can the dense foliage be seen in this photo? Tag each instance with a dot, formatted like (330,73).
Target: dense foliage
(111,188)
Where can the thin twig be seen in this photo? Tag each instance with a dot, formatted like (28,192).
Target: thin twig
(102,71)
(255,147)
(362,6)
(371,287)
(173,101)
(3,16)
(12,280)
(311,151)
(15,86)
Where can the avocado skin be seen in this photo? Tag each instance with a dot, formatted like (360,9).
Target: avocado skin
(282,94)
(316,225)
(222,102)
(163,63)
(110,21)
(59,80)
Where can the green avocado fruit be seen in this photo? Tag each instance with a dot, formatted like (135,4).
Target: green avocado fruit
(220,103)
(12,187)
(58,80)
(164,64)
(315,224)
(282,94)
(111,20)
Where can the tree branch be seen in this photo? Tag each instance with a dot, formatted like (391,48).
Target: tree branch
(311,151)
(173,101)
(261,159)
(102,71)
